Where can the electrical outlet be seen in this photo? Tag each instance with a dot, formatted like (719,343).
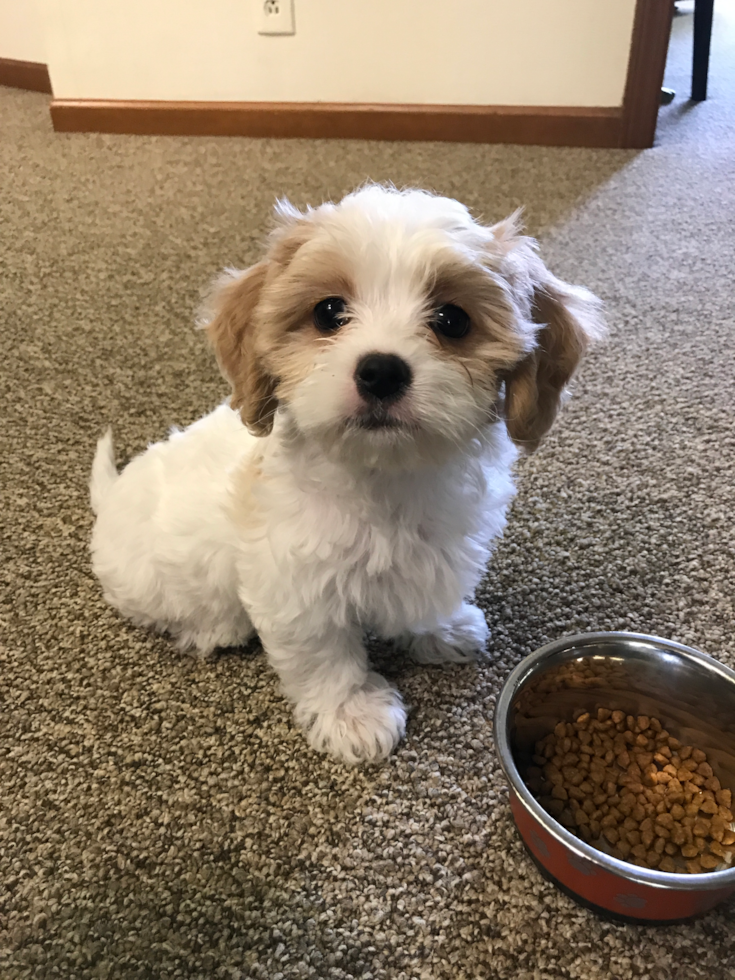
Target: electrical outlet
(274,16)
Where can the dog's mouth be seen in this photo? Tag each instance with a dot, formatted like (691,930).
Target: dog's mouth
(373,424)
(378,421)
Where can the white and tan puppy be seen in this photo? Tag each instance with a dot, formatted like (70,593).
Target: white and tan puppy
(386,357)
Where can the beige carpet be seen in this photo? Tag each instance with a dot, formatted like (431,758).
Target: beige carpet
(161,818)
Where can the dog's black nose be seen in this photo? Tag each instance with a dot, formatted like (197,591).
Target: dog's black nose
(382,376)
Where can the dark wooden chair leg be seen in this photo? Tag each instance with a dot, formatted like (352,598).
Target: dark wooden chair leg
(702,36)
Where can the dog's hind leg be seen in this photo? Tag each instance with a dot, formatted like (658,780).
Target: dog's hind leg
(202,639)
(460,640)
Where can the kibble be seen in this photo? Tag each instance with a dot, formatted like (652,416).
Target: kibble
(624,782)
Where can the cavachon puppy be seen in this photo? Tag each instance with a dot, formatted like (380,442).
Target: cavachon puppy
(387,356)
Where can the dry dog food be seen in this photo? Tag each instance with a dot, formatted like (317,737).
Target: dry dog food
(625,779)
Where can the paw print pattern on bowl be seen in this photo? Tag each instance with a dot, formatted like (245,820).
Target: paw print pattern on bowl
(582,865)
(630,902)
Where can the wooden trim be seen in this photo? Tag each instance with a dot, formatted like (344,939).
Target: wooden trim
(32,75)
(648,50)
(544,125)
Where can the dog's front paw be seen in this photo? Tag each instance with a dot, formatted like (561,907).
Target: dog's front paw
(366,727)
(458,641)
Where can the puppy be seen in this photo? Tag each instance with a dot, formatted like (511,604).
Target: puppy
(386,358)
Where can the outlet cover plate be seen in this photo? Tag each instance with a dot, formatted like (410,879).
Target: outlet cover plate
(274,16)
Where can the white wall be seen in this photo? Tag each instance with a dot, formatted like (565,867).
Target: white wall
(21,34)
(496,52)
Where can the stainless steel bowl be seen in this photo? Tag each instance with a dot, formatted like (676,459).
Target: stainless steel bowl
(692,695)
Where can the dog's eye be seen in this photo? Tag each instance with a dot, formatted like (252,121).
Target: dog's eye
(329,314)
(451,321)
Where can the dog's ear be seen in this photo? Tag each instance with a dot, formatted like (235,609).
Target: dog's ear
(564,319)
(229,319)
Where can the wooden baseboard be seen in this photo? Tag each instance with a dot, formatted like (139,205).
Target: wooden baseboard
(32,75)
(547,126)
(648,49)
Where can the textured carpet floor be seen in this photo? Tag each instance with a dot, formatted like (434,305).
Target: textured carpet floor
(161,817)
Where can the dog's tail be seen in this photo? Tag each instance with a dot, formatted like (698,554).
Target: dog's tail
(104,471)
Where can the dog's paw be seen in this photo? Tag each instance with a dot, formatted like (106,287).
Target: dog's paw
(459,641)
(364,728)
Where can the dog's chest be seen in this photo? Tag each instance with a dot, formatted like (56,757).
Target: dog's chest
(394,563)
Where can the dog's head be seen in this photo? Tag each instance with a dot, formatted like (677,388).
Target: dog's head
(392,328)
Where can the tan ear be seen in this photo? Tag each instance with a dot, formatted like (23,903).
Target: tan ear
(560,321)
(228,319)
(569,318)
